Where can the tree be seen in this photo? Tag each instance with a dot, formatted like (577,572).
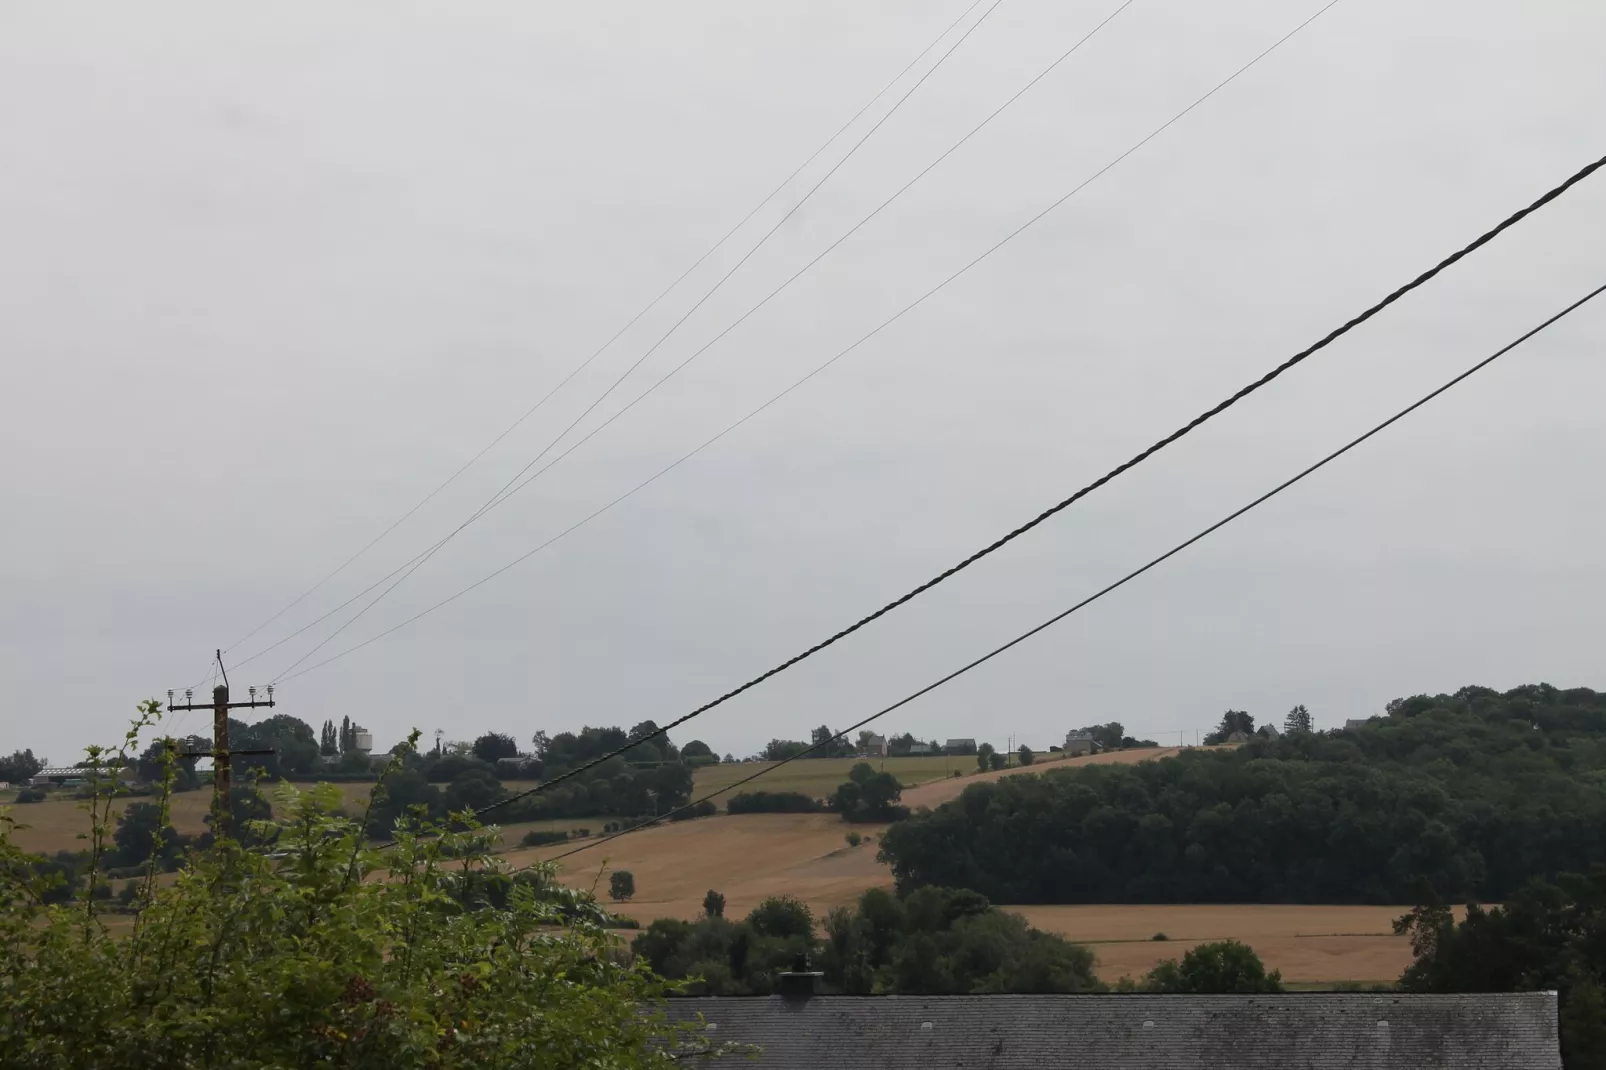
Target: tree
(1547,936)
(403,792)
(1224,967)
(355,762)
(996,760)
(493,746)
(1110,736)
(782,916)
(984,757)
(829,746)
(139,828)
(151,765)
(347,740)
(868,796)
(19,767)
(473,789)
(246,805)
(938,940)
(1298,720)
(1026,755)
(713,905)
(1583,1024)
(539,743)
(621,885)
(447,769)
(290,738)
(328,742)
(778,750)
(698,749)
(1231,721)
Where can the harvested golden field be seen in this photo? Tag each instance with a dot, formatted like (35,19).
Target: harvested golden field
(748,857)
(1307,943)
(56,823)
(751,856)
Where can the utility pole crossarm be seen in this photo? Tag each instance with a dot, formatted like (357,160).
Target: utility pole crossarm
(220,707)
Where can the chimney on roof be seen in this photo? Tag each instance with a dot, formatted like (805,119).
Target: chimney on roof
(799,982)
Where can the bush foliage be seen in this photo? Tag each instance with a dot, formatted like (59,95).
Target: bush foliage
(772,802)
(936,941)
(321,951)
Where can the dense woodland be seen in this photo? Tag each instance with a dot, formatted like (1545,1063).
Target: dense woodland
(1471,794)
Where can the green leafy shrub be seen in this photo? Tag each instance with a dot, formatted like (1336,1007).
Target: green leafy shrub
(869,796)
(30,795)
(323,951)
(705,808)
(854,839)
(936,941)
(621,884)
(541,837)
(1222,967)
(772,802)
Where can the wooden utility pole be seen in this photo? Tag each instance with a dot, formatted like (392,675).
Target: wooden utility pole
(220,754)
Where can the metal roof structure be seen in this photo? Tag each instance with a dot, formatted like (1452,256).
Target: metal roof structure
(1295,1031)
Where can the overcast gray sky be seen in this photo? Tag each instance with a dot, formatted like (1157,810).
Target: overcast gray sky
(269,273)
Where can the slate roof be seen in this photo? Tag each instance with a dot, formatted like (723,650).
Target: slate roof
(1311,1031)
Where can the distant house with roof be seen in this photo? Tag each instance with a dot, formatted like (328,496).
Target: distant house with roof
(1079,743)
(874,747)
(920,748)
(959,746)
(1353,723)
(1294,1031)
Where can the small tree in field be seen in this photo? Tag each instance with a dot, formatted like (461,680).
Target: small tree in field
(621,885)
(1223,967)
(1026,755)
(714,904)
(984,757)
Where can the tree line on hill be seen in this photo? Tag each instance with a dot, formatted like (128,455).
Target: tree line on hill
(934,941)
(1473,793)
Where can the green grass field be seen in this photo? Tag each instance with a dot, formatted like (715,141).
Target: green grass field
(819,777)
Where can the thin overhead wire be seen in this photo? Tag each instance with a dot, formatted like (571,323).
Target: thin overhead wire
(1134,574)
(1006,539)
(531,411)
(504,492)
(288,675)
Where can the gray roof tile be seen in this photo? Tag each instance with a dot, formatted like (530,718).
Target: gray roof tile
(1315,1031)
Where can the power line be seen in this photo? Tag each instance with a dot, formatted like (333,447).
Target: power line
(1134,574)
(287,675)
(1208,414)
(503,492)
(620,332)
